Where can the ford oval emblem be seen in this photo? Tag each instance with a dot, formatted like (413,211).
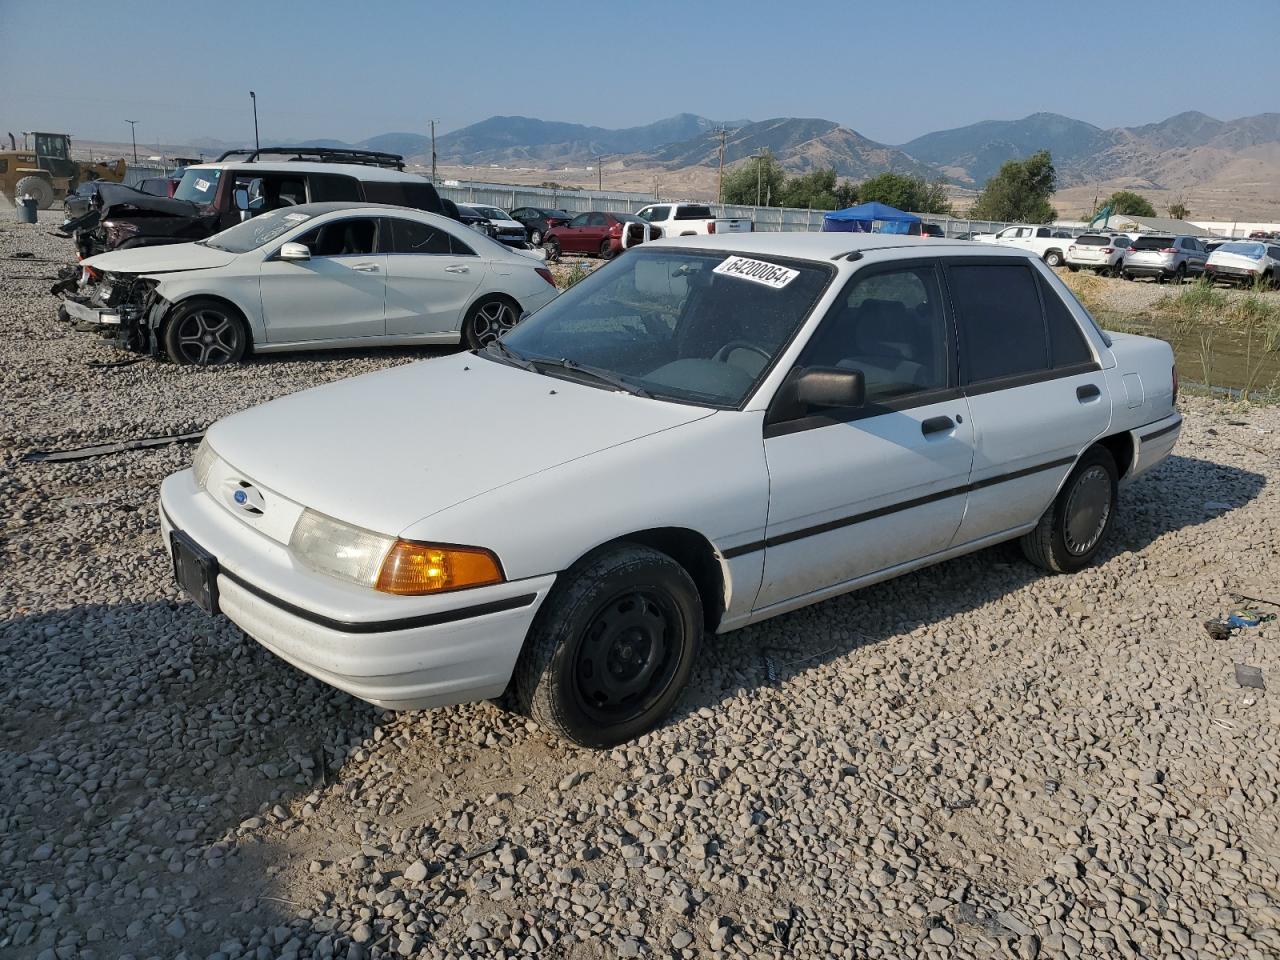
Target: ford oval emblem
(241,497)
(245,497)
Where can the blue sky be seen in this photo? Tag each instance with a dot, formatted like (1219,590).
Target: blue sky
(891,70)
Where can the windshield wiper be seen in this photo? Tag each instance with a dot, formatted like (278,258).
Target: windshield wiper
(211,244)
(509,356)
(601,376)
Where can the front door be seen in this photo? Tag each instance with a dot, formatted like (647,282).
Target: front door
(338,294)
(854,492)
(431,276)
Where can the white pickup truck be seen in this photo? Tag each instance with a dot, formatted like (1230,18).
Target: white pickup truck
(692,220)
(1048,243)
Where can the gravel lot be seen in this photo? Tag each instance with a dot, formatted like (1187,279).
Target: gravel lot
(971,761)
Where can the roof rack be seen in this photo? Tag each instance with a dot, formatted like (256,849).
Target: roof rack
(369,158)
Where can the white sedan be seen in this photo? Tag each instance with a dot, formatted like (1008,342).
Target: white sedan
(702,434)
(320,275)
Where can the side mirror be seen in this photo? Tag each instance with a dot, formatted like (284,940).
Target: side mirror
(295,251)
(241,197)
(830,387)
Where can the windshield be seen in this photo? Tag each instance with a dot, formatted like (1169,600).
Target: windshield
(558,214)
(254,233)
(696,326)
(198,185)
(1254,251)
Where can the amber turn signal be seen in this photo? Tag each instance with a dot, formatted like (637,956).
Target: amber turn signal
(412,569)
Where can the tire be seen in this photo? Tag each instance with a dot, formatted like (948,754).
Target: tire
(206,333)
(1118,270)
(606,250)
(1053,258)
(535,237)
(40,189)
(552,246)
(1075,525)
(1180,275)
(487,320)
(612,647)
(1073,268)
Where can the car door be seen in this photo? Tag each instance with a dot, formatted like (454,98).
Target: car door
(857,491)
(1196,256)
(1034,387)
(431,277)
(572,235)
(338,294)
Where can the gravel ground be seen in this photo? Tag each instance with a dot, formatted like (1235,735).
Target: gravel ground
(970,761)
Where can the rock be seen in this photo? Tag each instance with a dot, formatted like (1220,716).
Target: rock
(416,872)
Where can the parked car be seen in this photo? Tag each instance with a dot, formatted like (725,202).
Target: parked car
(931,230)
(694,438)
(313,276)
(1164,258)
(470,217)
(213,196)
(1211,244)
(1245,261)
(599,234)
(158,186)
(1048,243)
(1101,252)
(501,226)
(538,220)
(692,219)
(76,203)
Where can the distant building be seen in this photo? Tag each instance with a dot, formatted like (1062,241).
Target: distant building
(1127,223)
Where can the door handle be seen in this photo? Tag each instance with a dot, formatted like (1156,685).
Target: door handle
(457,269)
(366,267)
(937,425)
(1088,392)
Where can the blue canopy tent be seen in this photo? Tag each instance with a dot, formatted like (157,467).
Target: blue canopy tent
(869,218)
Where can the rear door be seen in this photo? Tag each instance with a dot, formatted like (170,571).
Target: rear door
(571,238)
(1035,390)
(854,492)
(431,277)
(336,295)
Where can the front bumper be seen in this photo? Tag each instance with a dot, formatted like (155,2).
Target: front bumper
(95,317)
(401,653)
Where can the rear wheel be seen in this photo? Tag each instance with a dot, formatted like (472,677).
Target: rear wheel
(552,246)
(1073,528)
(612,647)
(1053,258)
(1118,270)
(206,333)
(606,249)
(1180,274)
(487,320)
(38,188)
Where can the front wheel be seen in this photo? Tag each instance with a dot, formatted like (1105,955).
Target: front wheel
(37,188)
(486,321)
(535,237)
(1073,528)
(612,647)
(552,247)
(206,333)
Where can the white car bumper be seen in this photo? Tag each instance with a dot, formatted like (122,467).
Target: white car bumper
(1153,442)
(402,653)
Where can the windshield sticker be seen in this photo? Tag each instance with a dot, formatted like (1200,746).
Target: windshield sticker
(296,217)
(202,185)
(757,271)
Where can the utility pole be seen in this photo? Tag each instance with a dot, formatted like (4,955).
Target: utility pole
(720,176)
(133,134)
(256,144)
(433,149)
(758,158)
(599,175)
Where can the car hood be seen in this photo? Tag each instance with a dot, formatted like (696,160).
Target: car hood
(164,258)
(118,200)
(387,449)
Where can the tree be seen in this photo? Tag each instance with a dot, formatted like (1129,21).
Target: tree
(1179,210)
(740,183)
(846,194)
(906,192)
(816,190)
(1019,191)
(1134,204)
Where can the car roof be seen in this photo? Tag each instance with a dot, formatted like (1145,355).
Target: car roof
(358,170)
(362,206)
(828,246)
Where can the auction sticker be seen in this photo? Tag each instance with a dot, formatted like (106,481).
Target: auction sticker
(757,271)
(202,185)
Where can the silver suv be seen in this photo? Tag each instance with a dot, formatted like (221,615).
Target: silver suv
(1165,258)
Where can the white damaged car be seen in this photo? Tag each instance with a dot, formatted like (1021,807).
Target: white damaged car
(702,434)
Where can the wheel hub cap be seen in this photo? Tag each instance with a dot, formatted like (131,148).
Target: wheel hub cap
(1088,509)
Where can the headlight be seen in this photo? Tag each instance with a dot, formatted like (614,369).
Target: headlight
(386,564)
(203,462)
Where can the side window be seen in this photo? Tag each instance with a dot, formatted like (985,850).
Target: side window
(1122,242)
(596,220)
(1273,253)
(342,238)
(579,221)
(519,213)
(892,327)
(329,186)
(1044,232)
(410,236)
(1067,345)
(459,249)
(1001,324)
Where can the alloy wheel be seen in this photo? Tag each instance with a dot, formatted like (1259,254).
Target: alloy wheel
(491,320)
(208,338)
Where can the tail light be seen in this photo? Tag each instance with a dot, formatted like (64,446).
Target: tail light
(1169,250)
(615,230)
(1106,250)
(545,274)
(711,226)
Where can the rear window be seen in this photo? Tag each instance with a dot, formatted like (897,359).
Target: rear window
(1152,243)
(693,211)
(1254,251)
(419,196)
(1092,240)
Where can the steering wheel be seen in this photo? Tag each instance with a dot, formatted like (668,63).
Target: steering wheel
(724,352)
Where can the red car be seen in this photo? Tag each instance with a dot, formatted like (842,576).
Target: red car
(597,233)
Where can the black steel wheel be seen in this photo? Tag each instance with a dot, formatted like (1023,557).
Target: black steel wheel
(612,647)
(206,333)
(606,250)
(1075,525)
(552,247)
(487,320)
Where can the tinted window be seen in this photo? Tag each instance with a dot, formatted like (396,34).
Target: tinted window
(458,248)
(1152,243)
(656,213)
(596,220)
(892,327)
(406,193)
(1091,240)
(1044,232)
(410,236)
(1273,253)
(1001,324)
(579,221)
(329,186)
(693,211)
(1122,242)
(342,238)
(1067,344)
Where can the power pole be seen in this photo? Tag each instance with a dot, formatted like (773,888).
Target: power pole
(720,176)
(758,158)
(256,144)
(433,150)
(133,134)
(599,175)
